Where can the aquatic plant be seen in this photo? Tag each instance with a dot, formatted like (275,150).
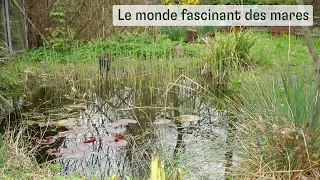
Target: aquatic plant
(157,171)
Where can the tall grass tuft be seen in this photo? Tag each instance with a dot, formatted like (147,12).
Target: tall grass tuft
(278,129)
(16,161)
(228,53)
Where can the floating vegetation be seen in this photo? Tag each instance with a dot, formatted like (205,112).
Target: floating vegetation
(107,138)
(114,124)
(127,121)
(116,130)
(119,137)
(121,122)
(67,122)
(187,118)
(117,144)
(79,129)
(73,131)
(49,123)
(161,121)
(75,107)
(68,134)
(90,139)
(114,127)
(75,152)
(54,152)
(46,140)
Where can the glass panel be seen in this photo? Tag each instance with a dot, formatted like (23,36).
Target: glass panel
(17,27)
(4,50)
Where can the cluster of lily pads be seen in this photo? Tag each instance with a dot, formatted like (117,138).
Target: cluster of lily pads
(115,139)
(118,139)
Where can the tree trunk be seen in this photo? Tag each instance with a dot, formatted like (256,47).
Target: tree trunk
(191,35)
(312,51)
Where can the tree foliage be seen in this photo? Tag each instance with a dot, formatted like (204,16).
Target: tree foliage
(182,2)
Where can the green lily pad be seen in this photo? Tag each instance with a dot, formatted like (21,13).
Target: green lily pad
(31,122)
(67,122)
(187,118)
(161,121)
(75,107)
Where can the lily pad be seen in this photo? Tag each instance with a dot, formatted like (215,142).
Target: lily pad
(74,152)
(54,152)
(71,149)
(118,144)
(115,124)
(45,124)
(115,130)
(75,107)
(90,139)
(119,137)
(187,118)
(74,155)
(67,122)
(46,140)
(80,129)
(107,138)
(161,121)
(127,121)
(68,134)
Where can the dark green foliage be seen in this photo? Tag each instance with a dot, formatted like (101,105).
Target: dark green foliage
(248,2)
(143,46)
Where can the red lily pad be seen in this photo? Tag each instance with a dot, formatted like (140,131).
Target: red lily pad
(46,140)
(119,137)
(54,152)
(90,139)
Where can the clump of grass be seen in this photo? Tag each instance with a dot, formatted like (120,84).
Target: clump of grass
(278,128)
(228,53)
(16,160)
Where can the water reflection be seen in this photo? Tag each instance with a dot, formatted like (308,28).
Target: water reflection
(197,146)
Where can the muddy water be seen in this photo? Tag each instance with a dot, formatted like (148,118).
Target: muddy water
(197,146)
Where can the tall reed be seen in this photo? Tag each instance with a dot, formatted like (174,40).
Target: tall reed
(278,129)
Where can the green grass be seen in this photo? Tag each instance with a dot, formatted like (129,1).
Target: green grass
(278,128)
(269,99)
(272,53)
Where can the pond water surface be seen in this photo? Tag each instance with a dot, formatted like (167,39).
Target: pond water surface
(89,142)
